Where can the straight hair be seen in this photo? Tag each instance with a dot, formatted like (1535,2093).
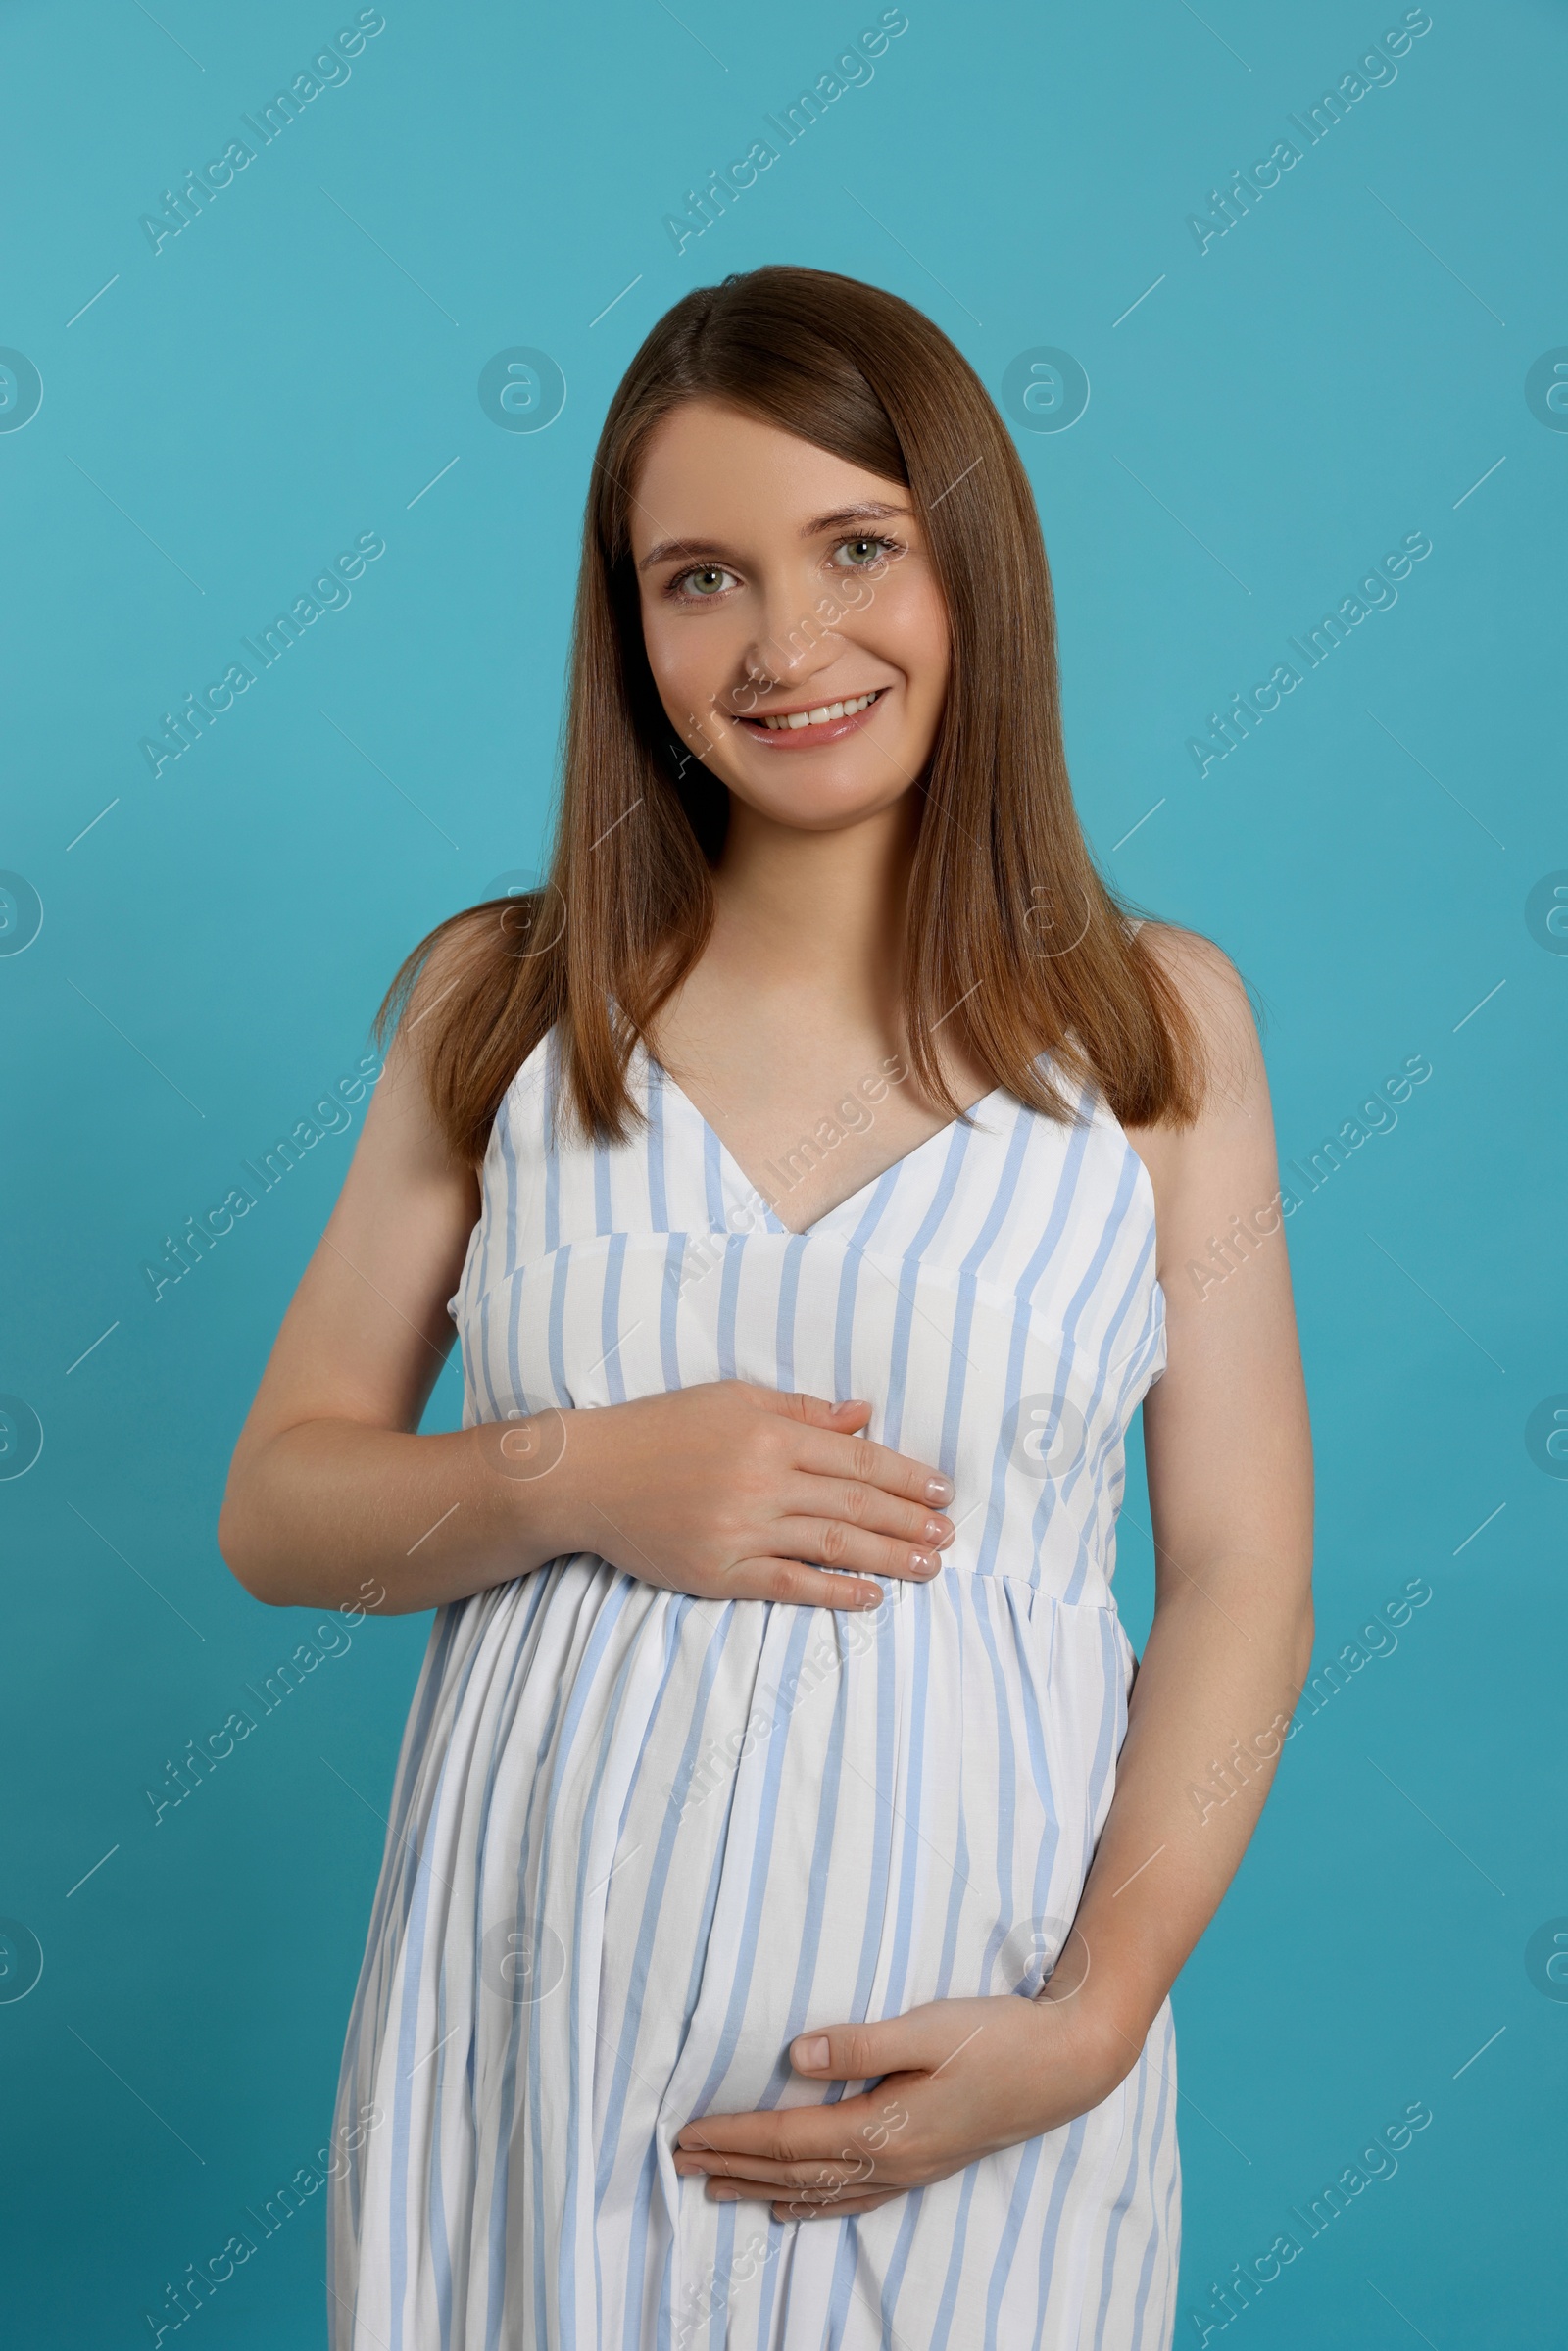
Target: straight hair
(1013,935)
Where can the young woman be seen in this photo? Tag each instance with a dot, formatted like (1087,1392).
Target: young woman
(787,1865)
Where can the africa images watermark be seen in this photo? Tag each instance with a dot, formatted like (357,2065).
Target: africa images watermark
(704,2302)
(1378,2160)
(714,1767)
(783,654)
(1375,1116)
(852,70)
(186,2298)
(1379,1636)
(849,1116)
(1229,730)
(328,70)
(331,1640)
(1374,69)
(329,1115)
(181,731)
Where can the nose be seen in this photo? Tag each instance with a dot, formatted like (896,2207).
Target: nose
(797,647)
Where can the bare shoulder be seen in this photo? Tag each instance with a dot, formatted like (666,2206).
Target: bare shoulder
(407,1128)
(448,963)
(1221,1009)
(1215,997)
(449,958)
(1234,1123)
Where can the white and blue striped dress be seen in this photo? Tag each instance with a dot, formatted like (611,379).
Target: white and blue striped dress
(639,1840)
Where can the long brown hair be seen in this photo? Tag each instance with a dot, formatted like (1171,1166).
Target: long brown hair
(1011,932)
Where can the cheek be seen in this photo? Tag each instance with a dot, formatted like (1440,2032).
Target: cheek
(936,648)
(910,631)
(693,657)
(656,642)
(907,628)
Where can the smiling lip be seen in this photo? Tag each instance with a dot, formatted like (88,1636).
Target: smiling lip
(817,731)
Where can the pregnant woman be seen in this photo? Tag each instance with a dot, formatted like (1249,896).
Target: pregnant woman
(788,1861)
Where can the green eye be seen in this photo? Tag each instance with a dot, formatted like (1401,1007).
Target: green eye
(706,580)
(859,553)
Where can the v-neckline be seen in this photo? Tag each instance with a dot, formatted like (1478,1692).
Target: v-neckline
(805,1232)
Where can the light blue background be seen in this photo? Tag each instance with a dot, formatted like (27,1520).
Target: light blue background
(292,371)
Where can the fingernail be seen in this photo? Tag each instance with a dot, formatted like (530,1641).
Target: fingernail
(812,2051)
(939,1490)
(726,2196)
(924,1563)
(872,1597)
(937,1531)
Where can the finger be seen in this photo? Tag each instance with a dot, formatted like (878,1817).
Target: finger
(858,1503)
(850,2171)
(921,2041)
(834,1454)
(830,1543)
(815,1410)
(822,2140)
(794,2211)
(824,2199)
(798,2206)
(798,2200)
(793,1581)
(836,2136)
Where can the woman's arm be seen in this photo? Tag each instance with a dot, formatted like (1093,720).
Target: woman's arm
(1229,1462)
(1228,1449)
(723,1491)
(327,1482)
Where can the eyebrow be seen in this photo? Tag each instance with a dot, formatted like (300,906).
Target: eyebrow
(871,511)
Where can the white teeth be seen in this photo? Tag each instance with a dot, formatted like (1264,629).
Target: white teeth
(824,714)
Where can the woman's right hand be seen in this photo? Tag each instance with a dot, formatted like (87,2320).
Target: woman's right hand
(727,1491)
(731,1491)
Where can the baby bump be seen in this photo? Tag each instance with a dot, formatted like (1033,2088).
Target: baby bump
(711,1826)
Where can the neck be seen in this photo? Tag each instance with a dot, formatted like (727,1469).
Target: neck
(814,915)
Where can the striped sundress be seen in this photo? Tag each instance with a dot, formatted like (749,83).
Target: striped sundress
(639,1840)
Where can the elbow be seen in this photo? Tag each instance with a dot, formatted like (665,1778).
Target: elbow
(1304,1633)
(242,1551)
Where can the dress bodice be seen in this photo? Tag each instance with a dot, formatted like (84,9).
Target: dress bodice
(992,1292)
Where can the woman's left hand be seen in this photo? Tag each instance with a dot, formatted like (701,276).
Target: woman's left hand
(958,2080)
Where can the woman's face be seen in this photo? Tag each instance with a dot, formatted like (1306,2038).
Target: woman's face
(781,584)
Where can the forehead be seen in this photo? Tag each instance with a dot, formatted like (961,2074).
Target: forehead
(708,468)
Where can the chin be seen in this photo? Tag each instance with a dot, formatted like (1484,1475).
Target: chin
(819,802)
